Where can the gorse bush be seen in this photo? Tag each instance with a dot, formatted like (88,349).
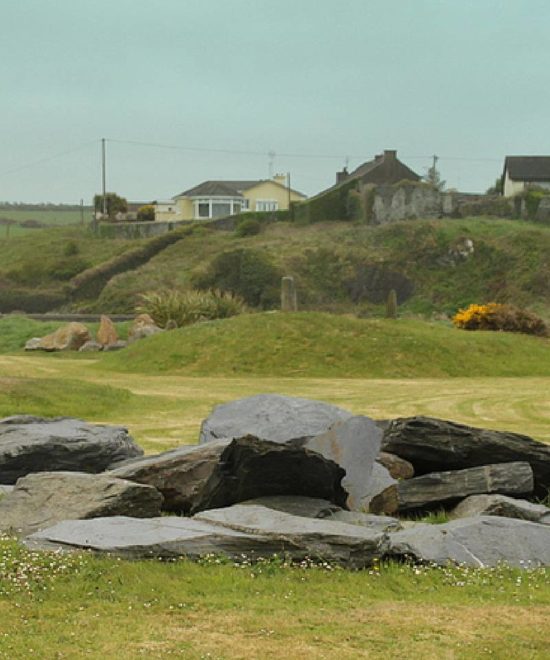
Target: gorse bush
(248,227)
(187,307)
(496,316)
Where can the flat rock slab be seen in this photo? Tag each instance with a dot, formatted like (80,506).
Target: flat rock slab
(271,417)
(501,505)
(4,490)
(335,541)
(35,444)
(398,467)
(480,541)
(40,500)
(434,445)
(309,507)
(439,489)
(224,472)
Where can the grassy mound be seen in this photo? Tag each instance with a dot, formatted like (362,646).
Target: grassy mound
(313,344)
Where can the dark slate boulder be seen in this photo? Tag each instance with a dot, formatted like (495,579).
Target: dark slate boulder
(34,444)
(479,541)
(439,489)
(501,505)
(433,445)
(271,417)
(40,500)
(222,473)
(352,545)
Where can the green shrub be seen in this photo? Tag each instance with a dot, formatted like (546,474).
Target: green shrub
(247,273)
(65,269)
(188,307)
(248,227)
(71,249)
(146,213)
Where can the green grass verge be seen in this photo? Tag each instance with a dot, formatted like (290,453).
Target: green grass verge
(55,606)
(312,344)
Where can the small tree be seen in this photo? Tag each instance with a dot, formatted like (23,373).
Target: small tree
(114,203)
(497,188)
(434,178)
(146,213)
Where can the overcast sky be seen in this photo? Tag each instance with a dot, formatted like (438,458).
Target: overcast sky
(467,80)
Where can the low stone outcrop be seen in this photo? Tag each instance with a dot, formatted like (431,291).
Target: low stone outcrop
(222,473)
(40,500)
(433,445)
(35,444)
(70,337)
(90,346)
(443,488)
(479,541)
(501,505)
(106,333)
(271,417)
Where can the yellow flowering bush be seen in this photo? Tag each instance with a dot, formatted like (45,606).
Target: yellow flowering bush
(498,316)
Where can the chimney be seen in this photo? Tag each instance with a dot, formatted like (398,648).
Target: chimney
(342,176)
(390,154)
(280,178)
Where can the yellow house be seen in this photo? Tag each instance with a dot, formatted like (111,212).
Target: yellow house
(216,199)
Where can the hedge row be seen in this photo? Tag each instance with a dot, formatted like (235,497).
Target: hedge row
(90,283)
(340,203)
(33,301)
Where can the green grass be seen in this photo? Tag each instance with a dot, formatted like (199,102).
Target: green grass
(318,345)
(54,606)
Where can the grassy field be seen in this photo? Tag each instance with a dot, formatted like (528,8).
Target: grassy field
(82,606)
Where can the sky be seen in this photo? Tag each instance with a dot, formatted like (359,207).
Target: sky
(185,91)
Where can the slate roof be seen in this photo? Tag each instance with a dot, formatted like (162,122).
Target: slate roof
(227,188)
(528,168)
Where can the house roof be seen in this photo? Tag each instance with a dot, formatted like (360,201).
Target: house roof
(528,168)
(227,188)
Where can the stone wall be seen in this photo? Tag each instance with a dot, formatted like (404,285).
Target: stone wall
(136,229)
(406,201)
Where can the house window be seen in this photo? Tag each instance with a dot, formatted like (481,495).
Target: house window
(219,209)
(203,209)
(266,205)
(216,207)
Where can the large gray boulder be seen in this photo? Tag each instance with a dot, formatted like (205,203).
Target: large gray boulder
(35,444)
(40,500)
(478,541)
(275,532)
(433,445)
(501,505)
(352,545)
(271,417)
(222,473)
(439,489)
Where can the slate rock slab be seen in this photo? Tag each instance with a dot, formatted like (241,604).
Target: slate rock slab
(221,473)
(35,444)
(478,541)
(443,488)
(354,445)
(309,507)
(433,445)
(271,417)
(69,337)
(501,505)
(352,545)
(164,537)
(398,467)
(40,500)
(4,490)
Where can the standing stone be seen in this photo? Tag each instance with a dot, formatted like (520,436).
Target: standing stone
(271,417)
(443,488)
(70,337)
(289,298)
(143,326)
(44,499)
(106,333)
(34,444)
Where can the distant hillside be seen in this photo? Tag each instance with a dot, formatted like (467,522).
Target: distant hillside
(311,344)
(435,266)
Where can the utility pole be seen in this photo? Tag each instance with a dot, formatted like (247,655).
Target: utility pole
(271,156)
(103,177)
(435,159)
(81,211)
(288,185)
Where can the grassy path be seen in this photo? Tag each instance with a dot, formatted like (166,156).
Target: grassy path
(167,410)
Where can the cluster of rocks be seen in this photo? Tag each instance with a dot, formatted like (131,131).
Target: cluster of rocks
(77,337)
(274,474)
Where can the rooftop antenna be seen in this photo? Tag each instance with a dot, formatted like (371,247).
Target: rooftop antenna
(271,155)
(103,177)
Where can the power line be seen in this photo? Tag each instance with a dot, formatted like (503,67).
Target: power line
(49,158)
